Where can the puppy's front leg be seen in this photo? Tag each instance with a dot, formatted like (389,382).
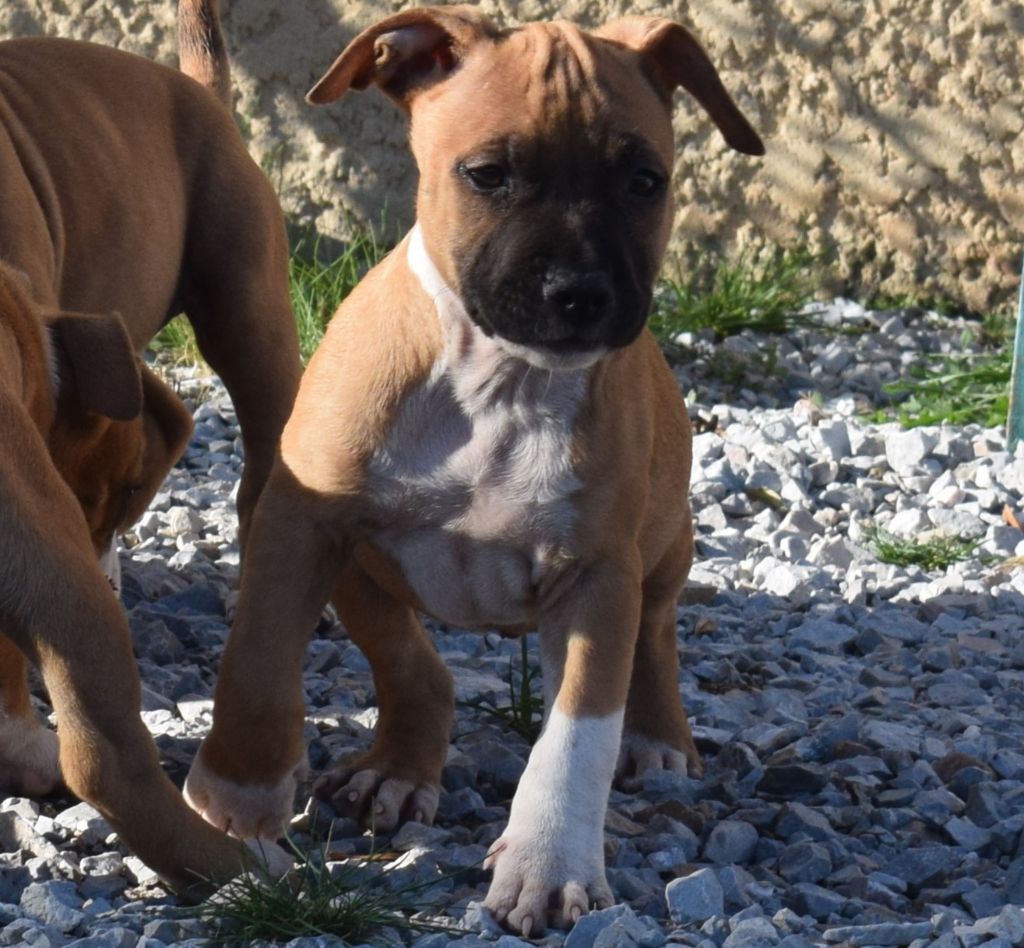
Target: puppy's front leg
(552,852)
(243,778)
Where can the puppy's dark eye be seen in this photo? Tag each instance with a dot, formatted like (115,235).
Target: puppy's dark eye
(485,178)
(646,183)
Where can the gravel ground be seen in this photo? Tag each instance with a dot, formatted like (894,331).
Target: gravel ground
(861,722)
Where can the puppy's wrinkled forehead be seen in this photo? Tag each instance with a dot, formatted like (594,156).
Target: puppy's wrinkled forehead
(548,83)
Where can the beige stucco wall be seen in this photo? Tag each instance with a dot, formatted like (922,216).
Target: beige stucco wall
(893,126)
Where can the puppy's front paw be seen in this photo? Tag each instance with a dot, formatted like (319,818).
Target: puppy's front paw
(533,887)
(29,756)
(248,811)
(381,800)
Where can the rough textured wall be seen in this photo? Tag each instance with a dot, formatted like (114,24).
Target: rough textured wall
(893,126)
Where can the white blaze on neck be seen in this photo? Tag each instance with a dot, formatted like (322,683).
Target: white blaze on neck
(475,481)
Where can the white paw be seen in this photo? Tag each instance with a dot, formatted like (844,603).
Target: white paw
(29,757)
(537,883)
(639,755)
(549,864)
(247,811)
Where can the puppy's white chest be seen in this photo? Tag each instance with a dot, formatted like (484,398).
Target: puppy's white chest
(473,489)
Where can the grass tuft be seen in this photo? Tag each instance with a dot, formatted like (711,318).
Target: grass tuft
(765,294)
(343,902)
(960,389)
(524,714)
(931,555)
(322,275)
(176,344)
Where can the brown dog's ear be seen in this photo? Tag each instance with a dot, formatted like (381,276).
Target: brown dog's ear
(405,53)
(672,57)
(171,419)
(96,360)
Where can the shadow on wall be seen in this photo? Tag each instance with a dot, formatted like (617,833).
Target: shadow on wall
(894,130)
(373,179)
(894,149)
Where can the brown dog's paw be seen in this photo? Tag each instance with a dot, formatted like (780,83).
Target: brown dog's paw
(639,755)
(29,758)
(379,800)
(533,888)
(247,811)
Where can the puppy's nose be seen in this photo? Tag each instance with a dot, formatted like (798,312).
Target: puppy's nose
(578,297)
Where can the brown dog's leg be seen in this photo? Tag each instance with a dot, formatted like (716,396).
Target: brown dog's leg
(237,301)
(28,750)
(243,778)
(400,777)
(656,734)
(81,642)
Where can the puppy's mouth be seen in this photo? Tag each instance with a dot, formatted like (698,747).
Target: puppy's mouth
(559,356)
(542,347)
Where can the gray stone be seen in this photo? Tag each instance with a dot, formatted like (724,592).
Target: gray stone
(822,634)
(965,833)
(735,881)
(890,735)
(414,835)
(920,864)
(757,932)
(806,898)
(478,919)
(116,937)
(896,933)
(796,817)
(55,904)
(804,862)
(585,932)
(29,933)
(731,842)
(983,901)
(985,806)
(695,898)
(905,450)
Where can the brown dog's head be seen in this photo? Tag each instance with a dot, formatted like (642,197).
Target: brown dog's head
(113,461)
(545,154)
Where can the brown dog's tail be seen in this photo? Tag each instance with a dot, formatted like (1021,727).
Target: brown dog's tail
(201,52)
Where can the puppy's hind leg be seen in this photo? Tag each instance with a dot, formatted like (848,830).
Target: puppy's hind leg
(656,733)
(400,777)
(28,750)
(237,299)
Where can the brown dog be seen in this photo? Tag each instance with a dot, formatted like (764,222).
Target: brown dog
(125,187)
(488,434)
(112,467)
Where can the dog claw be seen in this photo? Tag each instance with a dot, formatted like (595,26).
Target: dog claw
(382,802)
(527,926)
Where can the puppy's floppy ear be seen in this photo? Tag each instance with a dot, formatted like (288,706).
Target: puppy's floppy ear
(95,359)
(672,58)
(170,419)
(405,53)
